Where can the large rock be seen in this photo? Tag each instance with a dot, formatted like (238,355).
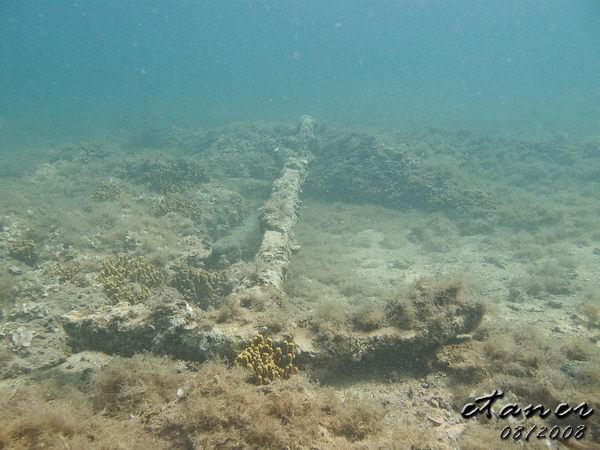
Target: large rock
(167,325)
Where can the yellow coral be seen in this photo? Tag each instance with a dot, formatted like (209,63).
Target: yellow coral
(268,363)
(187,208)
(66,272)
(203,287)
(129,280)
(109,191)
(23,251)
(178,175)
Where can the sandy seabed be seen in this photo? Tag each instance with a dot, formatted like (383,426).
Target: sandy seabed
(385,215)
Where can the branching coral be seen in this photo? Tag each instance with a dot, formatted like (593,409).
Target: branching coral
(66,271)
(178,175)
(203,287)
(129,280)
(186,208)
(109,191)
(268,360)
(23,251)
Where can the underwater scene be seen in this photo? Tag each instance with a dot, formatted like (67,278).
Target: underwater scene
(299,225)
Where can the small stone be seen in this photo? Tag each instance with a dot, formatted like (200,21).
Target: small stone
(436,421)
(515,295)
(22,337)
